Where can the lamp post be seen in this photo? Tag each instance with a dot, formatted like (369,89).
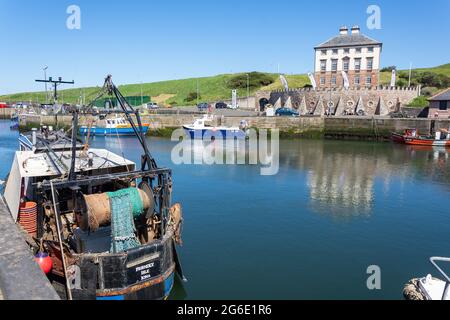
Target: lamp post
(45,77)
(248,87)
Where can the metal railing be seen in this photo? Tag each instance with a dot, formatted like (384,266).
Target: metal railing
(433,261)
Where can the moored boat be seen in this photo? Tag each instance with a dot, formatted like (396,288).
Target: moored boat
(411,137)
(202,126)
(429,287)
(112,127)
(100,227)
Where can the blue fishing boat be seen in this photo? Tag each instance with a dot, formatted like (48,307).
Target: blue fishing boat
(114,126)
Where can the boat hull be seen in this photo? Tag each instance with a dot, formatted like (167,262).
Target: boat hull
(224,133)
(419,141)
(98,131)
(397,137)
(427,142)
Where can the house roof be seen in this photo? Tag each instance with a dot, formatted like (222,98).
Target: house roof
(348,40)
(441,96)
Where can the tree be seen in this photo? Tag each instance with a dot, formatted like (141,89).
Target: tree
(192,96)
(389,69)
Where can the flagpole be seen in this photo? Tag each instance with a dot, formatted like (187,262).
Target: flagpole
(410,71)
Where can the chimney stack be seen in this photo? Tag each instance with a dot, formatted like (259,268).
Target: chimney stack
(355,30)
(343,30)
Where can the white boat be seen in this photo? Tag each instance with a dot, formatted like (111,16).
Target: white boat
(430,288)
(203,126)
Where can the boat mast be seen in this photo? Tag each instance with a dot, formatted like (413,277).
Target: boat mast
(147,159)
(72,175)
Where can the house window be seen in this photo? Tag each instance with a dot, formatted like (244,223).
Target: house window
(333,80)
(357,80)
(443,105)
(322,81)
(323,65)
(334,64)
(335,51)
(346,50)
(358,50)
(357,64)
(346,64)
(323,52)
(369,80)
(369,63)
(370,49)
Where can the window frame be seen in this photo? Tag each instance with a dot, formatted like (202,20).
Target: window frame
(323,65)
(334,62)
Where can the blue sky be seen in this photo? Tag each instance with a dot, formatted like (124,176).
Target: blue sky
(160,40)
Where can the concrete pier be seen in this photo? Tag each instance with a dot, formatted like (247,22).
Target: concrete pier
(20,276)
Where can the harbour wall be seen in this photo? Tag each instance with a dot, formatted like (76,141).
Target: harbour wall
(20,276)
(353,127)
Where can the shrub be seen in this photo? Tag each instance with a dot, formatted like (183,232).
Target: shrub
(256,80)
(402,82)
(429,91)
(192,96)
(390,68)
(419,102)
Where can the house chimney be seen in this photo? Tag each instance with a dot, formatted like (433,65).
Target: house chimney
(343,30)
(355,30)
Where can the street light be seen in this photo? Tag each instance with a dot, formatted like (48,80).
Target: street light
(45,77)
(248,87)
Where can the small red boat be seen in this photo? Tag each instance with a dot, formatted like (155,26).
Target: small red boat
(411,137)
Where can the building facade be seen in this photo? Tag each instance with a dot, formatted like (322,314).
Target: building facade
(440,105)
(351,52)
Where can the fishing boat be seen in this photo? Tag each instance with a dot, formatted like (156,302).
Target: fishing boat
(100,226)
(112,127)
(411,137)
(202,126)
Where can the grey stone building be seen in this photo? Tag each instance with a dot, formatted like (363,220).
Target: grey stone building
(440,105)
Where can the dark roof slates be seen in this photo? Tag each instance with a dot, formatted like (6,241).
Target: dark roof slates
(441,96)
(348,40)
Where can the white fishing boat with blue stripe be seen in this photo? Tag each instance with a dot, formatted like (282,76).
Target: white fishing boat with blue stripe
(201,127)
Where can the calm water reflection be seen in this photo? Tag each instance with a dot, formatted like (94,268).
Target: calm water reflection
(311,231)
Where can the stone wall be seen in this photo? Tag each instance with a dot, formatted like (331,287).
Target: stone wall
(338,101)
(344,127)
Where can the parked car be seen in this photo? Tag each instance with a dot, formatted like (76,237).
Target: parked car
(152,105)
(286,112)
(221,105)
(202,106)
(230,106)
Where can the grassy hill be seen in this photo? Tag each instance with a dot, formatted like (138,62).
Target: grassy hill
(176,92)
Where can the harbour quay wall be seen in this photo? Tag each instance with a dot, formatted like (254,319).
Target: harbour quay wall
(5,113)
(373,128)
(20,276)
(353,127)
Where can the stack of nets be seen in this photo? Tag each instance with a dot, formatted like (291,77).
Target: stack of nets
(125,204)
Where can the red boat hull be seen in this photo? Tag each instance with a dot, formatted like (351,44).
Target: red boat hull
(419,141)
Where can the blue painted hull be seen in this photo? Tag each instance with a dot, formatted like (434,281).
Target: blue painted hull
(200,133)
(159,291)
(109,131)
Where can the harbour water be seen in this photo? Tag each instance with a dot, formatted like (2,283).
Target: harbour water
(311,231)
